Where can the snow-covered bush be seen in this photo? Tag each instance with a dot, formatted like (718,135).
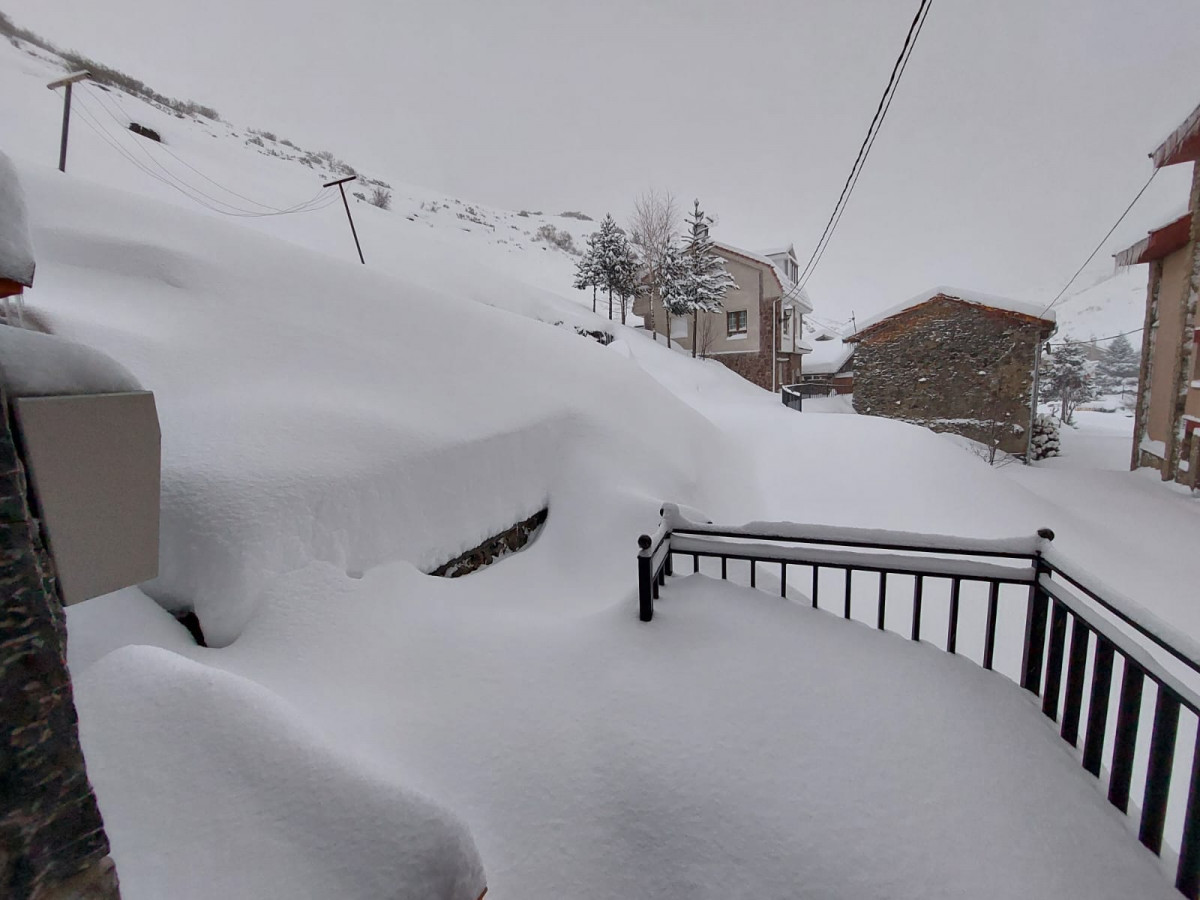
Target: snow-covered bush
(381,198)
(563,240)
(1045,441)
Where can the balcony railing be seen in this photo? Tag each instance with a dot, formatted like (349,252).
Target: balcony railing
(938,589)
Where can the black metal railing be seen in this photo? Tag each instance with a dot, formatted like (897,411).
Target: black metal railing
(791,396)
(984,581)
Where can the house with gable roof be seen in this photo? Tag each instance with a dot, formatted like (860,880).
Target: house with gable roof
(953,360)
(1167,415)
(759,332)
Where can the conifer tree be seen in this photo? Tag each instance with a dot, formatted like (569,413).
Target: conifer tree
(1120,363)
(1067,378)
(673,276)
(707,280)
(587,273)
(610,257)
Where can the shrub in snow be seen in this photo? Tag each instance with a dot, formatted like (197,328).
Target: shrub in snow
(1045,440)
(381,198)
(563,240)
(575,214)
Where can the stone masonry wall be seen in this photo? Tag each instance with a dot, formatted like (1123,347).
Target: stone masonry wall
(52,841)
(951,366)
(754,367)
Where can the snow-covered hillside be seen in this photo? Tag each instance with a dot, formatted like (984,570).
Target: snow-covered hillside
(333,431)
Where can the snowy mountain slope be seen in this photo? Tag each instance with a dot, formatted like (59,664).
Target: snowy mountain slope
(1112,304)
(238,175)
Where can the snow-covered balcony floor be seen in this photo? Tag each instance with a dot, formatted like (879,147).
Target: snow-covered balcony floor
(740,745)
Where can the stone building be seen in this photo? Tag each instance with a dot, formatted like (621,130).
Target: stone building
(758,333)
(1168,405)
(953,360)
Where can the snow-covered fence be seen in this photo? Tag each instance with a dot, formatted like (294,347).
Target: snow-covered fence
(791,396)
(1115,646)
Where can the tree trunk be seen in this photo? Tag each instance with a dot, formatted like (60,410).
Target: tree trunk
(593,298)
(610,304)
(695,331)
(624,306)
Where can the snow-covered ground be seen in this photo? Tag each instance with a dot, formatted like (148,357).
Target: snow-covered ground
(333,431)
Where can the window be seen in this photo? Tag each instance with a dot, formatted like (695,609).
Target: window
(787,321)
(735,322)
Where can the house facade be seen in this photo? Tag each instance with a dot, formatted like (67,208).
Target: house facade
(758,333)
(953,360)
(1168,404)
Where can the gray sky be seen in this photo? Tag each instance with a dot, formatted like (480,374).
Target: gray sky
(1019,133)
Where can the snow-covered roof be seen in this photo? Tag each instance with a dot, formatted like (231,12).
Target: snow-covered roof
(781,251)
(16,249)
(1182,145)
(798,298)
(828,355)
(1159,241)
(1033,310)
(803,346)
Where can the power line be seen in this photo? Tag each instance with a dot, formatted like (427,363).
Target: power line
(192,191)
(1092,255)
(864,150)
(108,109)
(1111,337)
(318,201)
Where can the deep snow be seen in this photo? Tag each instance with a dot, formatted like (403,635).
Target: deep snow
(331,430)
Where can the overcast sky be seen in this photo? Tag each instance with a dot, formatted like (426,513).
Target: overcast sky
(1020,130)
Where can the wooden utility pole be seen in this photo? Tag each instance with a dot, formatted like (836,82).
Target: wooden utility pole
(66,82)
(340,186)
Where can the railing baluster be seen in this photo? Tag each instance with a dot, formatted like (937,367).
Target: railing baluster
(1058,641)
(1097,723)
(1187,875)
(918,590)
(1158,769)
(783,579)
(645,576)
(882,599)
(753,578)
(695,563)
(816,584)
(989,633)
(1076,670)
(952,627)
(1125,738)
(1035,638)
(724,568)
(669,562)
(846,612)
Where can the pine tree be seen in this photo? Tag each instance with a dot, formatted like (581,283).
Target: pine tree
(625,273)
(587,271)
(673,277)
(611,255)
(707,280)
(1067,379)
(1119,364)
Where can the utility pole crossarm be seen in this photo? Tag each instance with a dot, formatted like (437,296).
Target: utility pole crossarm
(66,82)
(70,79)
(341,186)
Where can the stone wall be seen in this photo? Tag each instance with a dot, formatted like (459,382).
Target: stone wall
(951,366)
(754,367)
(496,547)
(52,841)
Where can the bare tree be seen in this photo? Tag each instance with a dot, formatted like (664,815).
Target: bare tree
(653,227)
